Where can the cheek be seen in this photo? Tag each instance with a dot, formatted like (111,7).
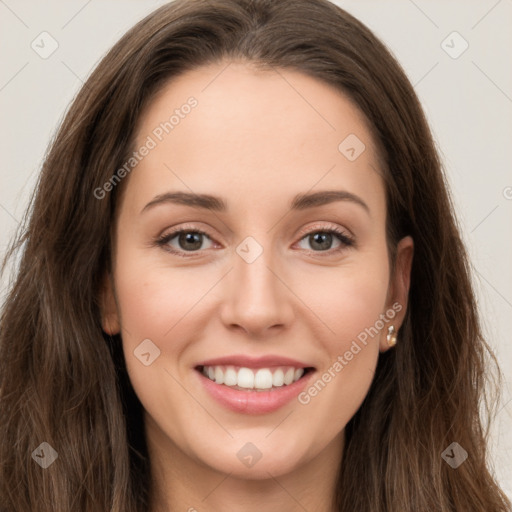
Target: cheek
(154,299)
(353,306)
(350,300)
(158,305)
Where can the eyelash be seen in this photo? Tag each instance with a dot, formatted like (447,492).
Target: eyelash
(346,241)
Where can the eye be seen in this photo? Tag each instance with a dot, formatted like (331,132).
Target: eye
(182,241)
(321,240)
(190,240)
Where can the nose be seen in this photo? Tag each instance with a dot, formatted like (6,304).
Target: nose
(257,299)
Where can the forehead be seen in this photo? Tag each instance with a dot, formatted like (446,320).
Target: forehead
(257,133)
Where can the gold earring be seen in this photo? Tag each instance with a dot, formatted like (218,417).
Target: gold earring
(391,337)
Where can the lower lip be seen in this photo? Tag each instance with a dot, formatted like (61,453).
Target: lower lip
(254,402)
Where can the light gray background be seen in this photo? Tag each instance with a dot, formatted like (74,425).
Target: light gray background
(468,101)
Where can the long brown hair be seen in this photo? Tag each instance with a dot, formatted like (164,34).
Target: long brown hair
(63,380)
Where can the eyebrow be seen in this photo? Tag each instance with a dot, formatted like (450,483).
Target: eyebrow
(217,204)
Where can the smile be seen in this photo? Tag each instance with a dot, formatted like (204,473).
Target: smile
(243,378)
(253,385)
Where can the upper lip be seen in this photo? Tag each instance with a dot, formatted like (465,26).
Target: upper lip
(267,361)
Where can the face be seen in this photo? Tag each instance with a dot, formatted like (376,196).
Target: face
(253,313)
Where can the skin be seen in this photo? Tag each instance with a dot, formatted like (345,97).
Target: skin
(256,139)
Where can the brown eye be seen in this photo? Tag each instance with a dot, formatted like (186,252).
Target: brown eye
(321,240)
(183,240)
(190,240)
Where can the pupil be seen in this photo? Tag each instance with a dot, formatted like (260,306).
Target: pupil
(324,239)
(190,238)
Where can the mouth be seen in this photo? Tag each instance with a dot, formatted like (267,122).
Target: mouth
(242,378)
(250,385)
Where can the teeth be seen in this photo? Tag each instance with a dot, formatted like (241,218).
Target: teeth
(261,378)
(219,375)
(230,376)
(278,378)
(288,376)
(245,378)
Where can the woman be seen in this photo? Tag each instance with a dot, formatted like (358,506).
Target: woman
(318,345)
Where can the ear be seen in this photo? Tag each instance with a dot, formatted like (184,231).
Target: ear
(398,292)
(108,307)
